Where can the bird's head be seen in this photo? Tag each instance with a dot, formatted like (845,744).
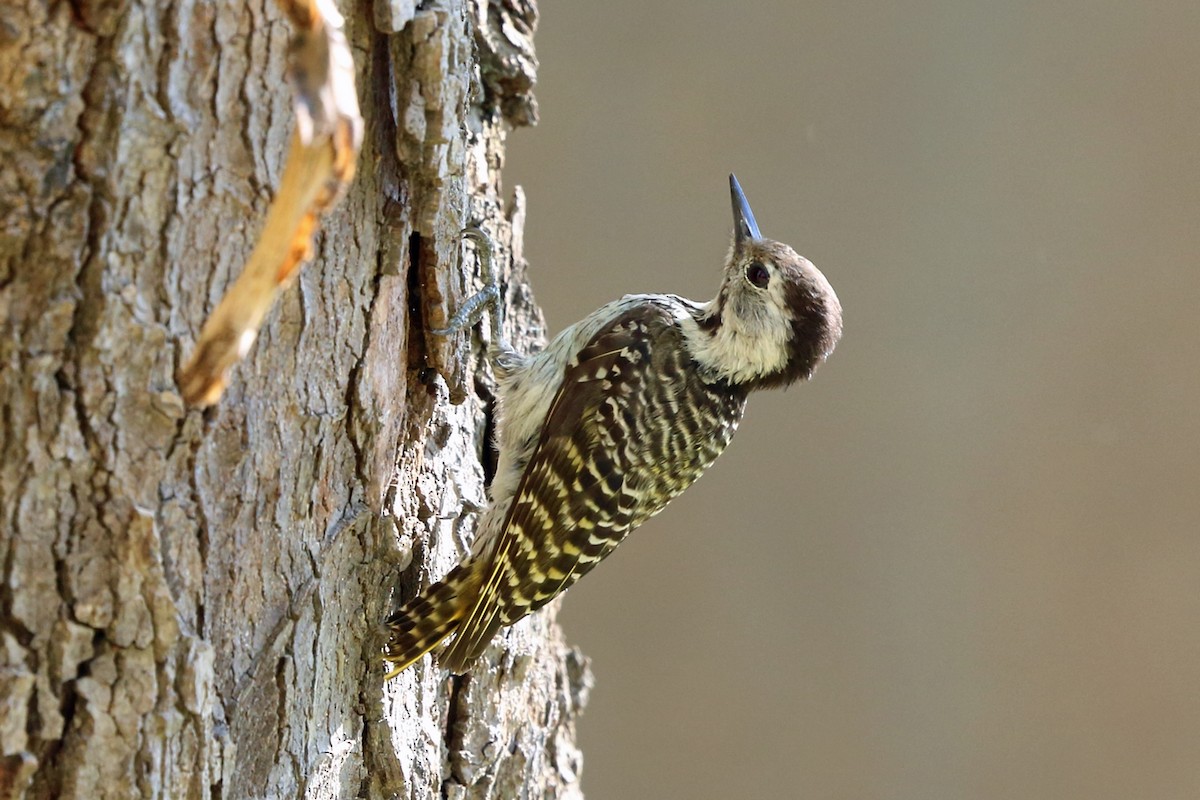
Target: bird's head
(775,318)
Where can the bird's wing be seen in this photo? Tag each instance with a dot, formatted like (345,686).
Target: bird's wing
(629,428)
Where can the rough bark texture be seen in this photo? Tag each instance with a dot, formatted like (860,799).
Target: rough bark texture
(190,600)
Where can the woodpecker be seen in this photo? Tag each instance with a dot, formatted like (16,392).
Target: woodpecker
(619,414)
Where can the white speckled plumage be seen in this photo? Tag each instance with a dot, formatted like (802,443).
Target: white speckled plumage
(618,415)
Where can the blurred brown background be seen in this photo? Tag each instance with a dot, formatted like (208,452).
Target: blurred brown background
(964,562)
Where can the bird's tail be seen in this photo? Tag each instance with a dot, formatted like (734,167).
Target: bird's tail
(423,622)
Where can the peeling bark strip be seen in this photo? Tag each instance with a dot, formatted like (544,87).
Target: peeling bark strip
(189,601)
(320,165)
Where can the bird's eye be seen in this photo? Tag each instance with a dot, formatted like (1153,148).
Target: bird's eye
(758,274)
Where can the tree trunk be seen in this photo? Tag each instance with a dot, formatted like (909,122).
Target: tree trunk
(191,600)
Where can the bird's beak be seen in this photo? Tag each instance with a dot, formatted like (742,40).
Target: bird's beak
(744,226)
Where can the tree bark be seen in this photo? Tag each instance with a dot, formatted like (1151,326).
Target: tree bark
(191,600)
